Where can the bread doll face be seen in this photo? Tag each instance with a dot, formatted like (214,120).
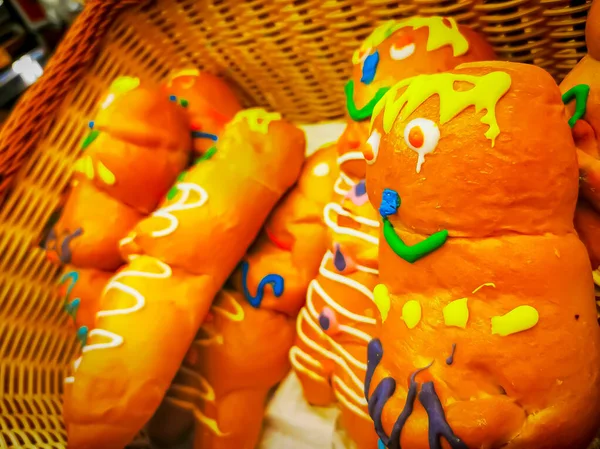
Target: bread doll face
(480,125)
(399,50)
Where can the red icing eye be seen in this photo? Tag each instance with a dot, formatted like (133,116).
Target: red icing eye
(416,137)
(447,22)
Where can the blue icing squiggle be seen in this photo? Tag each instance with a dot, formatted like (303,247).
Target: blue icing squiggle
(275,280)
(82,335)
(203,135)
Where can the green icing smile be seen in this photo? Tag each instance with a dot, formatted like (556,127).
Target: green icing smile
(366,111)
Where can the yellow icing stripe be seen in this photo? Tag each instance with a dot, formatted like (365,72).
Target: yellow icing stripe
(124,84)
(489,284)
(79,166)
(518,319)
(596,276)
(411,313)
(487,90)
(456,313)
(105,175)
(442,32)
(381,296)
(185,72)
(88,167)
(236,315)
(258,119)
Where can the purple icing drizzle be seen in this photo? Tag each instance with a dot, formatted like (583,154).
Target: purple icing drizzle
(450,360)
(437,421)
(438,426)
(360,188)
(65,250)
(338,259)
(323,321)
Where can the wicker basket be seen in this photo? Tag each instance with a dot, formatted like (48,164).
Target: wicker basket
(289,55)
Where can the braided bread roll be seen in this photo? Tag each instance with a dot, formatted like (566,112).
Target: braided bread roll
(179,258)
(241,351)
(339,319)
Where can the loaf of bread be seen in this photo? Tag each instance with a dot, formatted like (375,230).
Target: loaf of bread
(489,336)
(139,143)
(241,351)
(339,318)
(179,257)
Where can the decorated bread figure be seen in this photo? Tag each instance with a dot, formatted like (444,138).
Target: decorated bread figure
(210,103)
(394,51)
(581,93)
(340,315)
(138,145)
(179,258)
(241,352)
(489,336)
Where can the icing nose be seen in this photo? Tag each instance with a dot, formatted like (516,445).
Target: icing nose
(369,68)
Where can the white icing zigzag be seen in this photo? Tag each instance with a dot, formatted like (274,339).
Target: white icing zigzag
(115,340)
(181,204)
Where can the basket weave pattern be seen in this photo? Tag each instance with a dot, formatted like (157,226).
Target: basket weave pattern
(289,55)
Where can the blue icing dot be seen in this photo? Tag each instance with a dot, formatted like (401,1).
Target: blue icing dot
(369,68)
(323,322)
(360,189)
(390,202)
(380,445)
(172,98)
(338,260)
(82,334)
(91,124)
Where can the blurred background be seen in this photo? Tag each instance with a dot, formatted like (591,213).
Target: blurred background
(29,32)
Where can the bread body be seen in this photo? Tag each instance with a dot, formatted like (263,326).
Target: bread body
(490,338)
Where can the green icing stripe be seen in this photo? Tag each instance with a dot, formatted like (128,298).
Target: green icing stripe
(366,111)
(206,156)
(89,139)
(580,94)
(415,252)
(173,191)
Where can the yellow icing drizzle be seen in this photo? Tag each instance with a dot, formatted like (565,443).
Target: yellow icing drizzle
(381,295)
(124,84)
(411,313)
(184,72)
(258,119)
(88,167)
(489,284)
(487,90)
(236,315)
(439,35)
(518,319)
(105,175)
(456,313)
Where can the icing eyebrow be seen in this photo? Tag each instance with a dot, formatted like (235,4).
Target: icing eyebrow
(487,90)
